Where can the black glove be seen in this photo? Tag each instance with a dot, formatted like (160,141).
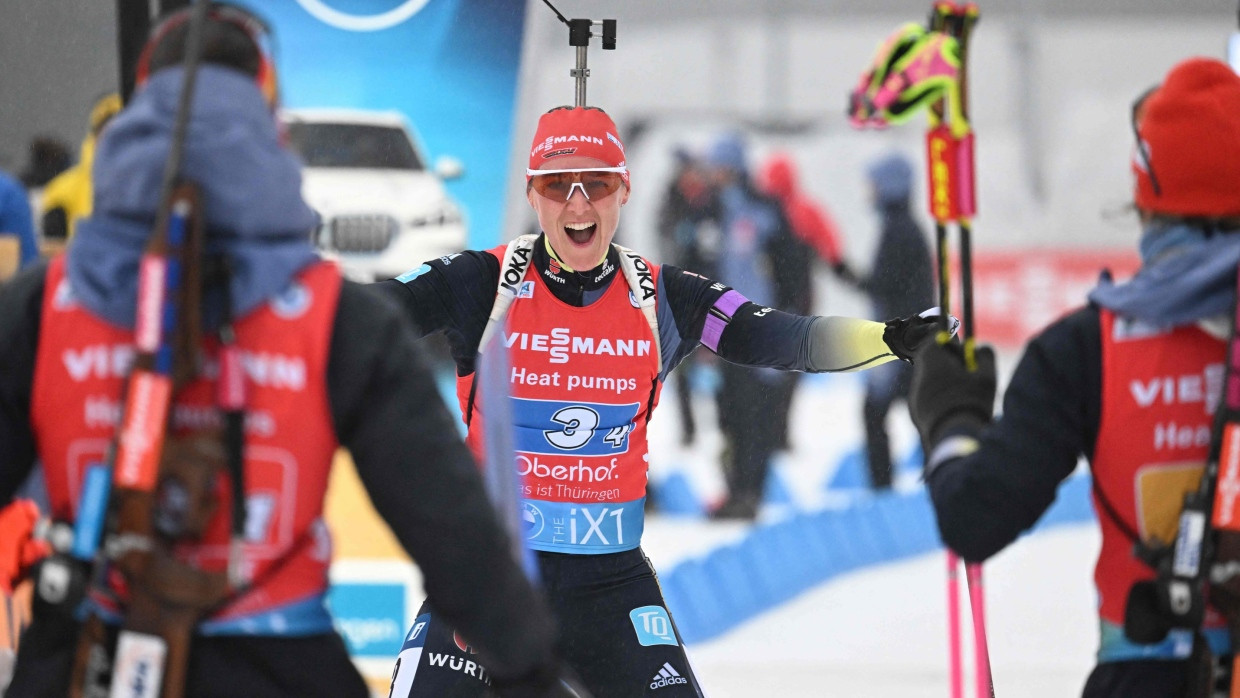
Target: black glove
(544,682)
(904,336)
(946,393)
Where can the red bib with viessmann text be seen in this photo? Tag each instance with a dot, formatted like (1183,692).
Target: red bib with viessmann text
(289,438)
(1159,393)
(582,381)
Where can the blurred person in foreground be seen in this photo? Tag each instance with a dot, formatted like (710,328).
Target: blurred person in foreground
(352,377)
(593,330)
(1090,385)
(67,197)
(901,280)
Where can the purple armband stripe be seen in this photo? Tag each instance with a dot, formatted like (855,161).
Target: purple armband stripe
(726,306)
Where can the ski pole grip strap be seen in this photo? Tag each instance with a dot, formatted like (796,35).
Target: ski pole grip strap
(718,317)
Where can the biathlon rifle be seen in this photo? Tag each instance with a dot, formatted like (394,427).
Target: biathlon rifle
(579,34)
(157,489)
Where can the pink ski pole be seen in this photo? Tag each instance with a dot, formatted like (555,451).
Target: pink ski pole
(984,681)
(955,661)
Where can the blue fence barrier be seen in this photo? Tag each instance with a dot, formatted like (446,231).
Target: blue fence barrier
(710,594)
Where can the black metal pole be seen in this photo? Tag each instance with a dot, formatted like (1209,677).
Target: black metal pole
(133,23)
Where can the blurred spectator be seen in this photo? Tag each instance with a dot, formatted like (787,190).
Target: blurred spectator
(901,283)
(814,233)
(689,217)
(17,242)
(67,198)
(689,233)
(809,220)
(48,158)
(752,402)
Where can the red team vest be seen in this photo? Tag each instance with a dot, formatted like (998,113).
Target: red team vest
(583,383)
(1159,393)
(290,439)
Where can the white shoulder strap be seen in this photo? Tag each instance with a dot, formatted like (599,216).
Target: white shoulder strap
(516,264)
(641,284)
(512,269)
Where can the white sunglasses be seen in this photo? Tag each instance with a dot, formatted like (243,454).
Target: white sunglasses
(555,187)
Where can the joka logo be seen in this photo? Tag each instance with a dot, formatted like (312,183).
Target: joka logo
(645,280)
(667,676)
(515,270)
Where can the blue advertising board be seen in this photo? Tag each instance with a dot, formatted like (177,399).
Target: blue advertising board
(449,66)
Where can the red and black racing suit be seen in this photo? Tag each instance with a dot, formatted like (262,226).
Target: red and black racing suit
(616,631)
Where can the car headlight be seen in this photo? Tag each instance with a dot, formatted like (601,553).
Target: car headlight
(448,214)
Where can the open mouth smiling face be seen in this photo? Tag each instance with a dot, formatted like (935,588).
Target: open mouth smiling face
(578,207)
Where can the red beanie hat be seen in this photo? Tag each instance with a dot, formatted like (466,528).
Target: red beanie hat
(1190,129)
(585,131)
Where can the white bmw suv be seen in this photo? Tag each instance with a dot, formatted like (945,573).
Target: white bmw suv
(384,212)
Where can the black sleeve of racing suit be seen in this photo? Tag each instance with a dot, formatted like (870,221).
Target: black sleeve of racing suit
(775,338)
(21,304)
(755,336)
(453,295)
(687,300)
(1051,412)
(424,483)
(759,336)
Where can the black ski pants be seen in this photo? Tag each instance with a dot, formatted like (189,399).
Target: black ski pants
(615,633)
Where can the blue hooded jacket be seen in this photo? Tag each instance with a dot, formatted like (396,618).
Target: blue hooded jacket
(250,184)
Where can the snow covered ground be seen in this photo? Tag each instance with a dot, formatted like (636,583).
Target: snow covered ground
(881,632)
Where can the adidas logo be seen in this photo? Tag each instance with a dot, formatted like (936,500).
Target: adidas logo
(667,676)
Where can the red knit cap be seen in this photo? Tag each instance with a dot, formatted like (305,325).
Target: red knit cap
(585,131)
(1190,127)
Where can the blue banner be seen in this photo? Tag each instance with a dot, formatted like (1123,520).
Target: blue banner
(370,616)
(448,66)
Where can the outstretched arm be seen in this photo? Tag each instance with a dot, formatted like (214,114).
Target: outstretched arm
(757,336)
(991,481)
(451,294)
(749,334)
